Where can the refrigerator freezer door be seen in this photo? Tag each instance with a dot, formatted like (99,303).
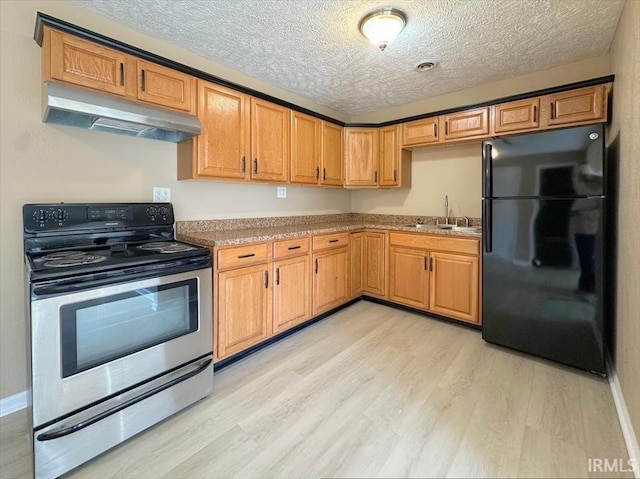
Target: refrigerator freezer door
(542,290)
(558,163)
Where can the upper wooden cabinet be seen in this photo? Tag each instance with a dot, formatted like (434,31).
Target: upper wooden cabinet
(165,87)
(331,154)
(576,106)
(516,115)
(306,134)
(73,60)
(420,132)
(70,59)
(223,149)
(361,156)
(389,156)
(466,124)
(242,138)
(269,141)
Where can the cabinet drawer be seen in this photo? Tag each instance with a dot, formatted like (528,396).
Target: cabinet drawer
(436,243)
(292,247)
(243,256)
(330,241)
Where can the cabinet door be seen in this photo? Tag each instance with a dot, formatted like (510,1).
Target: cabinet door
(361,156)
(330,279)
(332,153)
(454,286)
(408,277)
(516,115)
(470,123)
(420,132)
(270,125)
(244,308)
(356,258)
(585,104)
(291,292)
(389,156)
(84,63)
(305,148)
(165,87)
(374,264)
(223,147)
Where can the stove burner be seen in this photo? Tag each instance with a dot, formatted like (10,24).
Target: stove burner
(65,255)
(65,259)
(166,247)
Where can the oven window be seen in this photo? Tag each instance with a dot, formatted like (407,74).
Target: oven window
(100,330)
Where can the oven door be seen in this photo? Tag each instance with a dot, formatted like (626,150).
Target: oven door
(92,345)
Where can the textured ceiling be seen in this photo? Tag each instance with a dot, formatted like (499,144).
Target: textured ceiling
(314,47)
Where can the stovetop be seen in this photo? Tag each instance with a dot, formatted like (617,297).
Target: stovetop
(66,263)
(66,240)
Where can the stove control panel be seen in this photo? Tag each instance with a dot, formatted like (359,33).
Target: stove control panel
(92,216)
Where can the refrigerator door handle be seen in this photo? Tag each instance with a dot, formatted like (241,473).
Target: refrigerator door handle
(487,225)
(487,170)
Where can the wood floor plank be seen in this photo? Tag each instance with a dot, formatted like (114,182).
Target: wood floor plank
(370,391)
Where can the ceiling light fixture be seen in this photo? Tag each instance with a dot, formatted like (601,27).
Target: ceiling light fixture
(382,26)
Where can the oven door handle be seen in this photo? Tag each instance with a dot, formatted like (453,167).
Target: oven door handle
(64,431)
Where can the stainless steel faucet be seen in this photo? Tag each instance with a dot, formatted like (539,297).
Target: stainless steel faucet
(466,219)
(446,212)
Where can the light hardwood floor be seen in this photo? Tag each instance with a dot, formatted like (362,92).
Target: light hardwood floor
(371,391)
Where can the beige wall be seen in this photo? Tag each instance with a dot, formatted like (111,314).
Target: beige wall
(625,59)
(560,75)
(46,163)
(454,170)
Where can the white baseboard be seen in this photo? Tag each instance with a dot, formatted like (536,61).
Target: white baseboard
(630,438)
(13,403)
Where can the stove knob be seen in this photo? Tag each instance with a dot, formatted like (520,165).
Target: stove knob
(61,215)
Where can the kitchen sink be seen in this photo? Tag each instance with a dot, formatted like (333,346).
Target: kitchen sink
(461,229)
(420,225)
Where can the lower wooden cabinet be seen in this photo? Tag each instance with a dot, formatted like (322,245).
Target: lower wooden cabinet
(244,308)
(454,286)
(330,279)
(409,277)
(356,263)
(436,274)
(374,263)
(291,293)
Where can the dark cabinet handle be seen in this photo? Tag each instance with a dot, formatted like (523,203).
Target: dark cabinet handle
(426,263)
(293,247)
(535,113)
(266,279)
(333,241)
(316,267)
(552,110)
(375,176)
(121,74)
(244,164)
(446,127)
(324,173)
(255,166)
(430,264)
(246,255)
(277,276)
(435,130)
(143,81)
(395,176)
(317,172)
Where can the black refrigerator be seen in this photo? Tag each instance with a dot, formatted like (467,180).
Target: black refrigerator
(544,199)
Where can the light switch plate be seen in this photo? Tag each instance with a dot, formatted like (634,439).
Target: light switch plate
(161,195)
(282,192)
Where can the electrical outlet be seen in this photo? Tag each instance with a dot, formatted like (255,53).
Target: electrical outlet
(282,192)
(161,195)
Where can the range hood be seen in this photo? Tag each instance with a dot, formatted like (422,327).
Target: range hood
(74,106)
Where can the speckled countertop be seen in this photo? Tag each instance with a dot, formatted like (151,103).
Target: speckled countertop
(251,230)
